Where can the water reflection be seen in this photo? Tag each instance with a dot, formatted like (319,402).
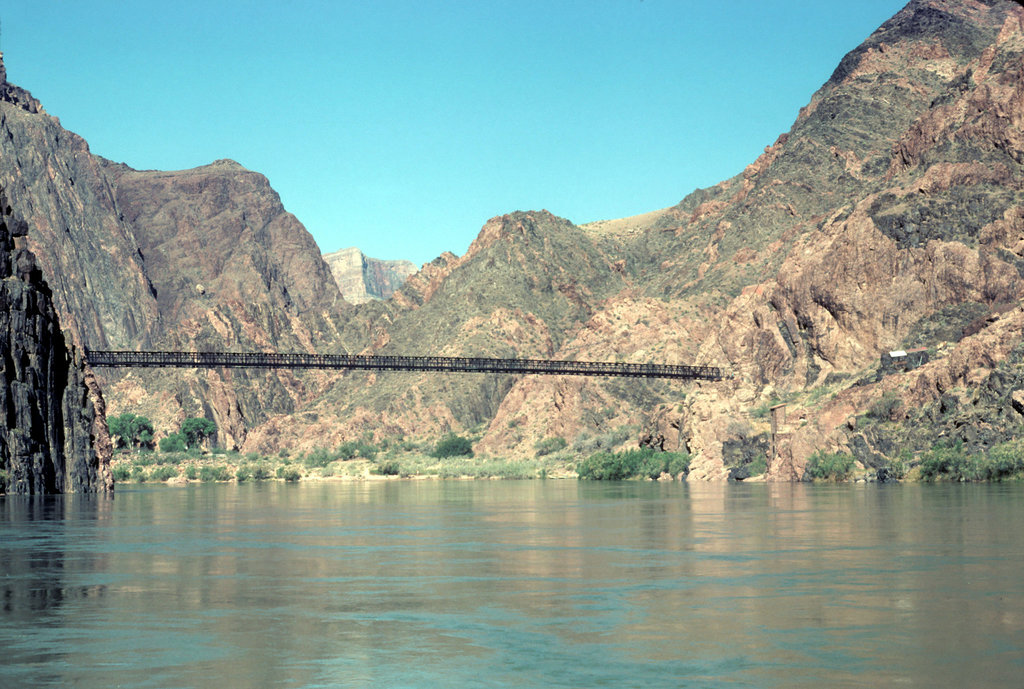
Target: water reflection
(514,583)
(34,540)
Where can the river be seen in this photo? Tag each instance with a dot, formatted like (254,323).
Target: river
(515,584)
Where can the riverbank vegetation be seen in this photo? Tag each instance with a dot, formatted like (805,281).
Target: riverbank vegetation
(183,459)
(945,461)
(321,464)
(642,463)
(187,456)
(830,466)
(450,457)
(950,462)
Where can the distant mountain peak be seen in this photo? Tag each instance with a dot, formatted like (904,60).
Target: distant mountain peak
(362,278)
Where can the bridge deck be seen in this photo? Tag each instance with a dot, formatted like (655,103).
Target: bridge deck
(398,363)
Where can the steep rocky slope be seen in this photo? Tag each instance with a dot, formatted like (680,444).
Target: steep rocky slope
(54,439)
(87,252)
(362,278)
(527,280)
(890,215)
(891,209)
(196,259)
(230,269)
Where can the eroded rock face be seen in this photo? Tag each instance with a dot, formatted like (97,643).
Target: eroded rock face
(362,278)
(55,438)
(891,215)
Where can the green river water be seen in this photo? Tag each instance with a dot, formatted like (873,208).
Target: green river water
(515,584)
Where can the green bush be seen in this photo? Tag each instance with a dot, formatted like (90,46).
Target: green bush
(585,443)
(895,468)
(138,473)
(885,407)
(757,467)
(649,464)
(317,457)
(1004,461)
(644,463)
(288,473)
(213,473)
(452,445)
(121,473)
(163,473)
(356,448)
(604,466)
(947,460)
(191,472)
(678,463)
(174,442)
(243,473)
(389,467)
(260,473)
(549,445)
(834,466)
(167,458)
(489,468)
(952,462)
(143,459)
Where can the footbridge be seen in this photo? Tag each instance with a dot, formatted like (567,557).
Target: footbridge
(359,362)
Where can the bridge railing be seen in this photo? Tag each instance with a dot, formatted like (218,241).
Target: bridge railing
(101,358)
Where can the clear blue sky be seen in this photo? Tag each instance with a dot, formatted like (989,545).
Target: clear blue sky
(401,127)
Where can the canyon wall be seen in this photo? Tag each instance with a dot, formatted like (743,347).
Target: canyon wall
(55,438)
(889,216)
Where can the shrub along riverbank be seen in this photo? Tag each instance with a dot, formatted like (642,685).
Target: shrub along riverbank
(150,466)
(452,458)
(943,462)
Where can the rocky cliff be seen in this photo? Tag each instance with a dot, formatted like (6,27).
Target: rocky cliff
(361,278)
(195,259)
(55,438)
(890,215)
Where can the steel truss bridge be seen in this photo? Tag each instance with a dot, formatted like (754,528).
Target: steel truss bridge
(397,363)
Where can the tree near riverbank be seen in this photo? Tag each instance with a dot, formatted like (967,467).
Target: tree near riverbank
(198,430)
(131,431)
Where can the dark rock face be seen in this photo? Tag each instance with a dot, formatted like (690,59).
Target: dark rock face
(745,456)
(85,249)
(54,439)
